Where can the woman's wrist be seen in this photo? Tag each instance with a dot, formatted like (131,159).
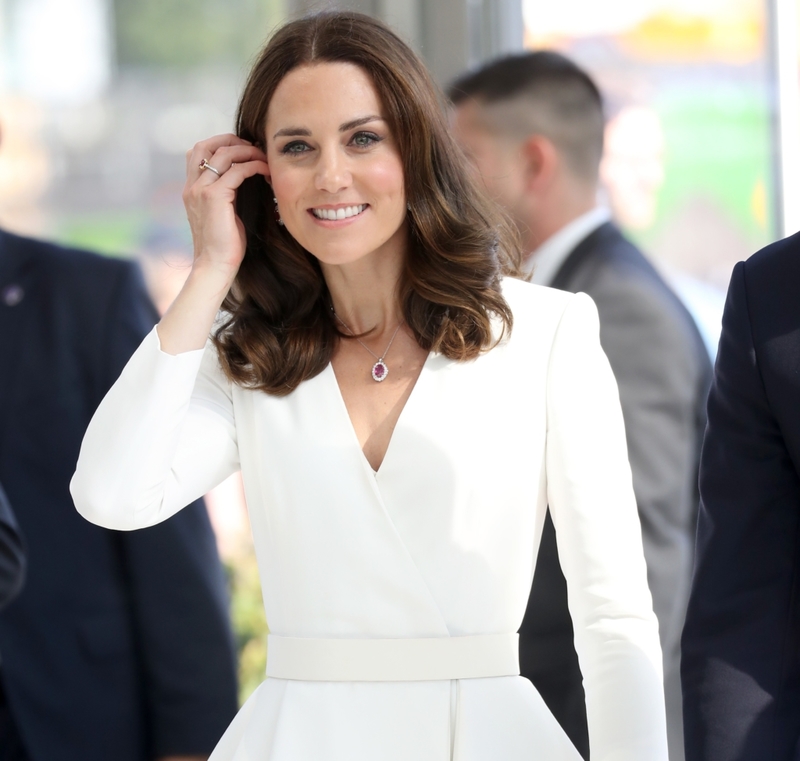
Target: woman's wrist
(187,323)
(213,276)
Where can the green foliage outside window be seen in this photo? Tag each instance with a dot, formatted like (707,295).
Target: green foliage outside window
(249,623)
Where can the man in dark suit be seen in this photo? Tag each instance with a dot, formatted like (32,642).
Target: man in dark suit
(741,644)
(12,555)
(119,646)
(533,126)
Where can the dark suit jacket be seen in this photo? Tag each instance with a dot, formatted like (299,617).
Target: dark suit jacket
(741,644)
(119,646)
(12,555)
(663,372)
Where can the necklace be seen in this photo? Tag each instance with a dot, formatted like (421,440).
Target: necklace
(380,369)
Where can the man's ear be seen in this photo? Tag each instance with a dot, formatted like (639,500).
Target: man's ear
(540,162)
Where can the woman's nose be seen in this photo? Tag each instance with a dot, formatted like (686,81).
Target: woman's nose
(333,173)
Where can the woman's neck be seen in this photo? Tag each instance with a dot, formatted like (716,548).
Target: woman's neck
(364,293)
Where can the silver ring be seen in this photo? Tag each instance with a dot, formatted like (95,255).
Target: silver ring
(205,165)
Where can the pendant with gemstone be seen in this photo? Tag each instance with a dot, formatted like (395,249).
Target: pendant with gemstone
(379,371)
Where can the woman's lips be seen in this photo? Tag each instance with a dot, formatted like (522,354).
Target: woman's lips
(338,214)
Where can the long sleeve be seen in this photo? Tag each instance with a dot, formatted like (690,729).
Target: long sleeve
(660,375)
(663,373)
(739,667)
(600,545)
(163,436)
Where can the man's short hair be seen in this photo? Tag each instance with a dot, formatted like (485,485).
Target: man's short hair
(543,93)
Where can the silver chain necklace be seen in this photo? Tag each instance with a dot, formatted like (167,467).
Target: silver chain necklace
(380,369)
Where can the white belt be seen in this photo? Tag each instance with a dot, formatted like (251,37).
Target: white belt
(392,660)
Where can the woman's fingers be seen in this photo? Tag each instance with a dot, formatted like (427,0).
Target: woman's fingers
(217,232)
(205,149)
(222,160)
(227,182)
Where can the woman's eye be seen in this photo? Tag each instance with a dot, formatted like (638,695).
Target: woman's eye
(365,139)
(295,147)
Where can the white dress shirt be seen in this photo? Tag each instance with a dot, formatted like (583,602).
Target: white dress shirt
(547,259)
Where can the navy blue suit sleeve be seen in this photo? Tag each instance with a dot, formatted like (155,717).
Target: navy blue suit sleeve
(131,316)
(12,555)
(177,588)
(740,627)
(180,606)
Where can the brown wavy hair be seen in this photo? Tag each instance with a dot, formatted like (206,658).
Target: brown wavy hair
(279,330)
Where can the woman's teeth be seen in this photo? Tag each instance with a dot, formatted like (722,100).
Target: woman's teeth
(343,213)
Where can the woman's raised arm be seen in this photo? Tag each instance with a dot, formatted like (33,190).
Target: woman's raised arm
(218,235)
(165,433)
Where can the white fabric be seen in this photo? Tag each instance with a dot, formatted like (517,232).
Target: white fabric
(546,260)
(411,659)
(441,542)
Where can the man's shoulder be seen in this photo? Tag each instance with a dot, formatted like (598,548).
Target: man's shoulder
(64,263)
(766,286)
(633,298)
(613,270)
(776,265)
(610,259)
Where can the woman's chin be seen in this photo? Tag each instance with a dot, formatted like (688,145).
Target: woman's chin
(360,247)
(337,253)
(338,257)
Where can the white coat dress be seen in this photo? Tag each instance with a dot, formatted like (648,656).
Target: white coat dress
(441,542)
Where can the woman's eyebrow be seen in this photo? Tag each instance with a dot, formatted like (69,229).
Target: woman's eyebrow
(358,122)
(305,132)
(292,132)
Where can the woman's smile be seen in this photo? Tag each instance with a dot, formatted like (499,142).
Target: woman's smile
(337,215)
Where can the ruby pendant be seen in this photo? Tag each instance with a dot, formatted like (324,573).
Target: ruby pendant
(379,371)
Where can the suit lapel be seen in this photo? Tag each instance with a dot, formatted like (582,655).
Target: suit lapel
(575,262)
(17,276)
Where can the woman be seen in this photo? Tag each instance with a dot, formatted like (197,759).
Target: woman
(401,415)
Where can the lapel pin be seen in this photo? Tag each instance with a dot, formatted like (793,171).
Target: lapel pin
(12,295)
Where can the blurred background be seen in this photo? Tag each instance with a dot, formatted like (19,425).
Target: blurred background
(100,100)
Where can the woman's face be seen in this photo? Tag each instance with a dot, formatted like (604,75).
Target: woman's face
(334,165)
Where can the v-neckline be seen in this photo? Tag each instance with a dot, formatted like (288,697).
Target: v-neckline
(348,421)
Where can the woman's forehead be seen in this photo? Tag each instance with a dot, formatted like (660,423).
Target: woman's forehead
(322,95)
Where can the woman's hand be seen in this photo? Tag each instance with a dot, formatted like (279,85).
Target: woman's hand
(218,233)
(219,237)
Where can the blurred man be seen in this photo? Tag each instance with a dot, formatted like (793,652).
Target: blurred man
(119,646)
(532,124)
(12,556)
(741,644)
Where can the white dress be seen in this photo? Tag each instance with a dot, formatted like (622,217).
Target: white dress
(440,543)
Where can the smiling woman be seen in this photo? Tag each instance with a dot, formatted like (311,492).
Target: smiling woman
(349,118)
(364,377)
